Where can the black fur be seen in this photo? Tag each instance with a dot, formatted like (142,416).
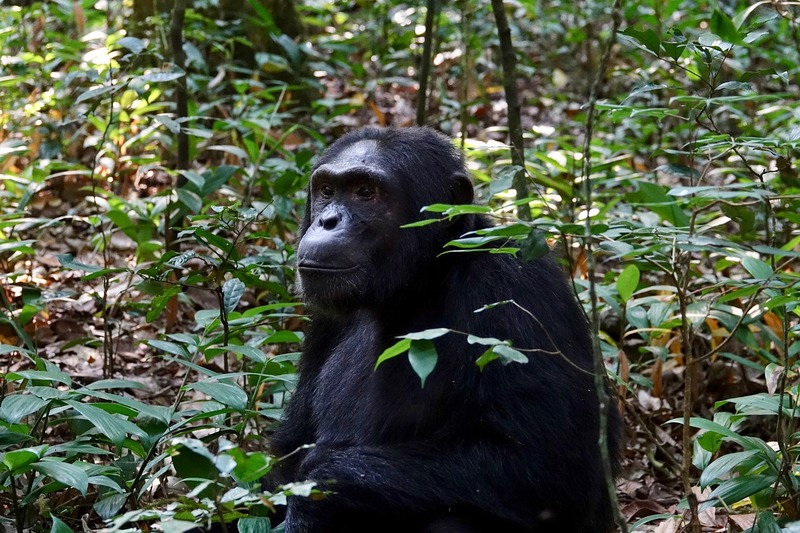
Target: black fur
(512,448)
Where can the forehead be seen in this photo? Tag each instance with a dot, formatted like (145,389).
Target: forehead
(361,153)
(362,157)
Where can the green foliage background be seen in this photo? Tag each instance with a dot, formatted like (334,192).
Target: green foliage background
(694,222)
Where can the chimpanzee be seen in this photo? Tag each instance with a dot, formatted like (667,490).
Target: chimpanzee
(508,448)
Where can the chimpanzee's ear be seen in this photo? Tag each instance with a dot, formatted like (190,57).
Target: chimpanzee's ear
(462,191)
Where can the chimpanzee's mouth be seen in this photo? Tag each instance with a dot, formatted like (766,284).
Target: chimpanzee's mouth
(312,266)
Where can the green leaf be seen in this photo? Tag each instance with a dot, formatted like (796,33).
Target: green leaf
(627,282)
(232,292)
(225,393)
(722,467)
(190,199)
(722,25)
(20,459)
(394,350)
(230,149)
(193,463)
(41,375)
(428,334)
(158,77)
(504,352)
(254,525)
(250,466)
(94,93)
(169,347)
(251,352)
(485,341)
(133,44)
(757,268)
(534,246)
(109,507)
(509,355)
(68,261)
(12,438)
(66,473)
(737,489)
(215,240)
(17,406)
(422,356)
(59,526)
(748,443)
(217,179)
(109,425)
(647,38)
(18,246)
(487,357)
(160,301)
(655,197)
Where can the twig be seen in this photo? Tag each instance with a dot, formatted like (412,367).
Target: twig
(603,398)
(509,60)
(425,66)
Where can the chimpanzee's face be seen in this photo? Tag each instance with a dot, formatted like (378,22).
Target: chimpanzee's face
(353,251)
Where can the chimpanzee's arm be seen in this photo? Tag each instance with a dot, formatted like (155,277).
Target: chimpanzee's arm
(416,478)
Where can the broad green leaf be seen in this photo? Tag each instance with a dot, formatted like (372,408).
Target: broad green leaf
(757,268)
(647,38)
(66,473)
(68,261)
(17,246)
(252,353)
(534,246)
(59,526)
(20,459)
(157,412)
(17,406)
(485,341)
(509,355)
(250,466)
(655,198)
(180,526)
(12,438)
(627,282)
(422,356)
(40,375)
(487,357)
(232,292)
(736,489)
(254,525)
(109,425)
(133,44)
(722,467)
(428,334)
(230,149)
(507,230)
(160,301)
(190,199)
(169,347)
(172,125)
(748,443)
(109,507)
(723,26)
(158,77)
(225,393)
(214,240)
(96,92)
(394,350)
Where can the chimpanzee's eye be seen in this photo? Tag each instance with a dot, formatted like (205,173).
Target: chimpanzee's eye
(365,192)
(326,190)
